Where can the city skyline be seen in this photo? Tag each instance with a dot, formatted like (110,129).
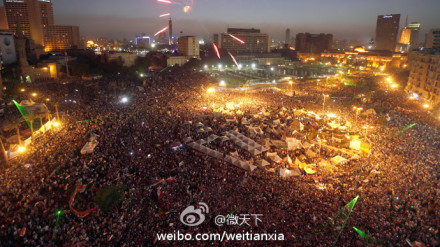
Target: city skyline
(112,19)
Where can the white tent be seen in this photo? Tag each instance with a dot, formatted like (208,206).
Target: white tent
(292,143)
(262,163)
(285,173)
(224,138)
(199,124)
(338,160)
(212,138)
(188,139)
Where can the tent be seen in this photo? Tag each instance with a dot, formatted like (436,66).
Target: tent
(274,157)
(201,130)
(199,124)
(285,173)
(188,139)
(338,160)
(89,147)
(309,169)
(310,154)
(369,112)
(201,141)
(262,163)
(224,138)
(212,138)
(209,129)
(292,143)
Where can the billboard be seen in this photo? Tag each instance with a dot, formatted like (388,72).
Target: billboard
(8,52)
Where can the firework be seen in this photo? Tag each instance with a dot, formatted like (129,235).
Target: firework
(216,50)
(161,31)
(239,40)
(187,9)
(233,58)
(163,15)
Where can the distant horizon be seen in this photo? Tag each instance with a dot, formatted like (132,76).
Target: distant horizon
(345,19)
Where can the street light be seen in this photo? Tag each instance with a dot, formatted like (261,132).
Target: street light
(34,94)
(210,90)
(124,100)
(222,83)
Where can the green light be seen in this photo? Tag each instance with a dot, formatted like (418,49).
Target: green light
(361,233)
(59,212)
(23,112)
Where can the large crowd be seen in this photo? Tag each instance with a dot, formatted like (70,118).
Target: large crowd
(397,183)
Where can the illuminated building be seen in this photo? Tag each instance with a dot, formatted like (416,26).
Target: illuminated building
(3,19)
(387,28)
(189,46)
(25,13)
(404,39)
(61,37)
(371,59)
(142,41)
(433,39)
(313,43)
(254,41)
(415,30)
(424,77)
(46,12)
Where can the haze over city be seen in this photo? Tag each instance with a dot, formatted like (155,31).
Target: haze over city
(350,19)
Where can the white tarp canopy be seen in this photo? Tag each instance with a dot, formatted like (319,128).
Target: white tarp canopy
(89,147)
(338,160)
(274,157)
(212,138)
(285,173)
(262,163)
(292,143)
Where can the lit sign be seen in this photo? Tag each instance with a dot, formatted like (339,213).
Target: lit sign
(387,16)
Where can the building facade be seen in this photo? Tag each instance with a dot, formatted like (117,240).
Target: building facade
(61,37)
(433,39)
(313,43)
(189,46)
(24,15)
(46,12)
(254,41)
(424,77)
(3,19)
(387,28)
(415,32)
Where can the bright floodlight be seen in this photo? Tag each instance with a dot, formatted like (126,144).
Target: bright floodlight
(253,66)
(222,83)
(21,149)
(211,90)
(426,105)
(240,66)
(271,69)
(124,100)
(220,66)
(206,66)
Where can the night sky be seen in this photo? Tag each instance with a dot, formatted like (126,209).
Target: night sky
(350,19)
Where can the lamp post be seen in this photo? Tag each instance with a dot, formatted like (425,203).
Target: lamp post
(323,103)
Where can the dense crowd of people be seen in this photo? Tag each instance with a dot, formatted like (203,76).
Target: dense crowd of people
(397,182)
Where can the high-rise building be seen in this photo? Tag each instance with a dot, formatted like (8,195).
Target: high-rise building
(424,77)
(404,40)
(313,43)
(46,12)
(188,46)
(287,42)
(25,13)
(254,41)
(433,39)
(387,28)
(170,29)
(61,37)
(3,19)
(415,30)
